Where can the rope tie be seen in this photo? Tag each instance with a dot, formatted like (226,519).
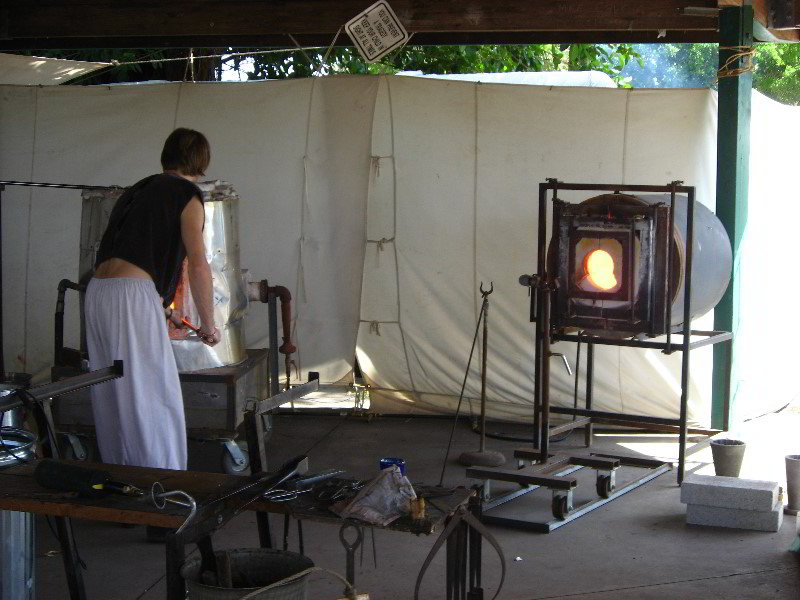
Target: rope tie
(375,327)
(728,69)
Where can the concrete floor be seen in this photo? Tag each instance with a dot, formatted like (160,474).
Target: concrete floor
(636,547)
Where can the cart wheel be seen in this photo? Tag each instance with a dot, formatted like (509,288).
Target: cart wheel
(230,467)
(560,510)
(604,487)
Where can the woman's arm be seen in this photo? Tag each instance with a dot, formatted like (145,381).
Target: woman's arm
(200,282)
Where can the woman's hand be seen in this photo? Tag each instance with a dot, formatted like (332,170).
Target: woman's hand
(209,338)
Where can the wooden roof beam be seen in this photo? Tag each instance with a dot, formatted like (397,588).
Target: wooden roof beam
(226,22)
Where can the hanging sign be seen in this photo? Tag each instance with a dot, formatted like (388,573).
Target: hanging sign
(376,31)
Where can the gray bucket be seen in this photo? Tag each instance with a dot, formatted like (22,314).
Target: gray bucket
(251,570)
(728,455)
(16,528)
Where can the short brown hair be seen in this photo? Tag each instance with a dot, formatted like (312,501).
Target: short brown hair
(187,151)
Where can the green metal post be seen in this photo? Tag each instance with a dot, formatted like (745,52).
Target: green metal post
(733,157)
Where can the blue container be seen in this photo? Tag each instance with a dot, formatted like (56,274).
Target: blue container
(385,463)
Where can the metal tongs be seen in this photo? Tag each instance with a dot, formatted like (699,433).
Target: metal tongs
(299,486)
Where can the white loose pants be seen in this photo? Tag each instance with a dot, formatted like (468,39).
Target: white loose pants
(139,417)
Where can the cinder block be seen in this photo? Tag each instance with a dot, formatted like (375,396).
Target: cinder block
(730,492)
(735,518)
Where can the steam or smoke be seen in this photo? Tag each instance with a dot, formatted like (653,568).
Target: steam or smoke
(673,66)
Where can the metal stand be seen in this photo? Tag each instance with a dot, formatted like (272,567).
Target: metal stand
(483,457)
(545,335)
(551,472)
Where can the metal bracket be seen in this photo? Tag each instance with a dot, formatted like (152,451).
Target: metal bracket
(78,449)
(236,453)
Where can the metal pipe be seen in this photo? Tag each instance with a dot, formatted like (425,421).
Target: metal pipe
(2,360)
(545,445)
(587,435)
(483,371)
(272,310)
(687,333)
(286,318)
(61,186)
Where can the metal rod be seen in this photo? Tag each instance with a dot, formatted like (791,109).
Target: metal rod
(536,314)
(485,346)
(545,445)
(61,186)
(717,337)
(563,410)
(2,360)
(614,187)
(670,241)
(687,328)
(587,434)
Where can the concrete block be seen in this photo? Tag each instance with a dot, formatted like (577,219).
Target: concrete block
(730,492)
(735,518)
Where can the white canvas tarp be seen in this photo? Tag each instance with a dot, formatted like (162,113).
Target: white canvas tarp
(16,69)
(296,152)
(381,203)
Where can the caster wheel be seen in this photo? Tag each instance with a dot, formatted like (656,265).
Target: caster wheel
(560,509)
(604,487)
(230,467)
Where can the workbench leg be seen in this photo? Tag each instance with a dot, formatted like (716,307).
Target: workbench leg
(475,591)
(72,568)
(176,555)
(450,559)
(264,532)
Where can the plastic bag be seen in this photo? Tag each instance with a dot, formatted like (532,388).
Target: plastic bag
(384,499)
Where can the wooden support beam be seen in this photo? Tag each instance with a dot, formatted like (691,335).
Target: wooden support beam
(764,12)
(733,156)
(224,22)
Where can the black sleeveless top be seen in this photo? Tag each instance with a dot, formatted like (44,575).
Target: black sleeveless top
(145,229)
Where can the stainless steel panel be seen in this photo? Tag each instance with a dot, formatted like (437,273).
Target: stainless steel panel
(221,239)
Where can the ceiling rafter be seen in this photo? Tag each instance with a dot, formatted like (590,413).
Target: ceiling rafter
(244,23)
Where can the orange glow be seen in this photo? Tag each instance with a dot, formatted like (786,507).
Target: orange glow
(599,267)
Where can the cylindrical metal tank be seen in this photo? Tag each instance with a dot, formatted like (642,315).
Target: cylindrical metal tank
(221,238)
(16,528)
(712,258)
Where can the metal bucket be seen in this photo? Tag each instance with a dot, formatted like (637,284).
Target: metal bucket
(10,383)
(16,528)
(251,570)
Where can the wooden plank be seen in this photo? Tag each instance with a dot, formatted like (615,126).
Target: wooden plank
(20,492)
(182,18)
(761,15)
(323,40)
